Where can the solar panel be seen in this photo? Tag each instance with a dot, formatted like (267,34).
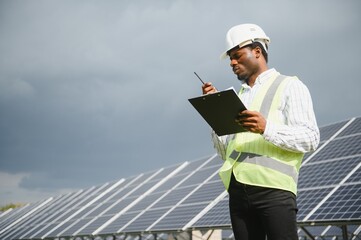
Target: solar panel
(94,223)
(166,197)
(145,202)
(174,197)
(146,219)
(27,224)
(354,128)
(331,174)
(308,199)
(165,203)
(206,193)
(178,217)
(13,215)
(356,176)
(114,221)
(6,230)
(68,229)
(326,173)
(61,217)
(217,216)
(191,196)
(74,226)
(340,148)
(344,204)
(135,191)
(11,226)
(186,209)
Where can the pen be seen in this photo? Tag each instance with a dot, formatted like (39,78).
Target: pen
(199,78)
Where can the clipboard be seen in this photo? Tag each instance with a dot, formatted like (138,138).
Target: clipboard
(219,110)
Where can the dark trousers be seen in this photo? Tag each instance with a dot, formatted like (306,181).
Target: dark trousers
(257,212)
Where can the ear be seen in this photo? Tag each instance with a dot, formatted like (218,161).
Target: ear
(258,52)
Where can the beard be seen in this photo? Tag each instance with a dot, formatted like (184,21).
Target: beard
(243,77)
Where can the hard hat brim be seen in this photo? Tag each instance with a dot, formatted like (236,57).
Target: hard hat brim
(243,44)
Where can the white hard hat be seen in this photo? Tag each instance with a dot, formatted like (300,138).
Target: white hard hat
(244,34)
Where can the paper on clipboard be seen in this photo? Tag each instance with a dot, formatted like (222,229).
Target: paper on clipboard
(219,110)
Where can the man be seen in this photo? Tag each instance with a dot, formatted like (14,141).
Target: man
(262,164)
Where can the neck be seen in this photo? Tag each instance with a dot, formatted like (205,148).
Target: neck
(252,79)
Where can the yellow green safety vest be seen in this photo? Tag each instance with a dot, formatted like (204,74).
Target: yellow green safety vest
(254,160)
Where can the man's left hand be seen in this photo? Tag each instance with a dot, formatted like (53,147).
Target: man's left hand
(252,121)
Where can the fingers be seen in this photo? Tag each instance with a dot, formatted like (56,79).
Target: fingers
(251,121)
(208,88)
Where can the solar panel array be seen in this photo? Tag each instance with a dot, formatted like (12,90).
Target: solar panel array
(190,196)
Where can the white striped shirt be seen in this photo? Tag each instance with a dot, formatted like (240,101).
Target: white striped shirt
(299,131)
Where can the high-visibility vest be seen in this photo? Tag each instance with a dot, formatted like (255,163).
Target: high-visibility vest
(255,161)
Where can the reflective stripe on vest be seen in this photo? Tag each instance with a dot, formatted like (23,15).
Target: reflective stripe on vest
(266,162)
(268,99)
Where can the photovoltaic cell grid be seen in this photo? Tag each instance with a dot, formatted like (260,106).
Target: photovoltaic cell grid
(57,218)
(106,207)
(328,131)
(329,182)
(307,200)
(192,195)
(344,204)
(326,173)
(57,211)
(194,179)
(12,216)
(218,216)
(340,148)
(118,218)
(186,181)
(19,217)
(354,128)
(187,209)
(134,190)
(28,223)
(89,213)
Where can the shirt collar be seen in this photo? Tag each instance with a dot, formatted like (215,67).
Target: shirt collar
(261,78)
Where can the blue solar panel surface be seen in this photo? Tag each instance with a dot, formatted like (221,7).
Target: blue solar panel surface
(331,174)
(217,216)
(344,204)
(191,195)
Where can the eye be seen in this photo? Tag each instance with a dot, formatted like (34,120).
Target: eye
(235,57)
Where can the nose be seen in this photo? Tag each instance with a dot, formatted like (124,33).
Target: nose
(233,62)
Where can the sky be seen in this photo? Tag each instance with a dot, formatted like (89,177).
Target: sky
(95,91)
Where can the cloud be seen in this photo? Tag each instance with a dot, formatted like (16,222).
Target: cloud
(11,190)
(17,88)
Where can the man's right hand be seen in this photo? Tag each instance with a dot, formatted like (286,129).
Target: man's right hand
(208,88)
